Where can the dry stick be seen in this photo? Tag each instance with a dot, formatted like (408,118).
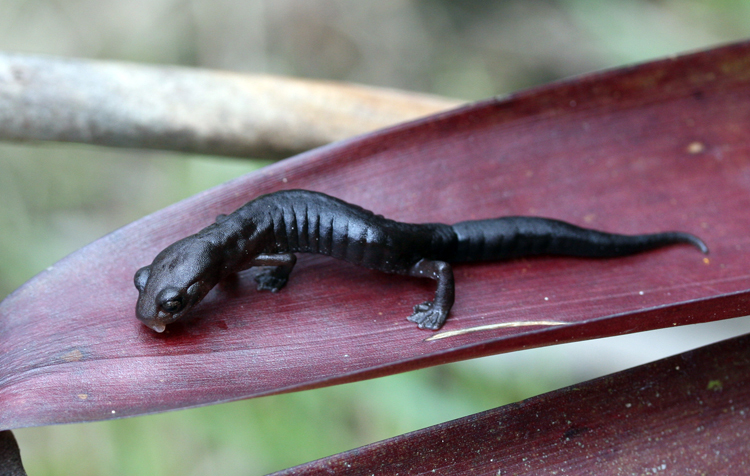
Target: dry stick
(191,110)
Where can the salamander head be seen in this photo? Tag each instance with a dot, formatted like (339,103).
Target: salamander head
(178,279)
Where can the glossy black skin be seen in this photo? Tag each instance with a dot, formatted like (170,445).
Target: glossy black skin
(268,231)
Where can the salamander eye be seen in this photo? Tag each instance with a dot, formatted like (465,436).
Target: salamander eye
(172,306)
(171,301)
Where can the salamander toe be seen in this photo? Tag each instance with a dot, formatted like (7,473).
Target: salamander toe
(428,316)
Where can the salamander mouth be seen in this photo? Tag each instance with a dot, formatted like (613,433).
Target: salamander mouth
(159,320)
(156,326)
(159,324)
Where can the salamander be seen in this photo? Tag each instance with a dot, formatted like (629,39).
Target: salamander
(268,230)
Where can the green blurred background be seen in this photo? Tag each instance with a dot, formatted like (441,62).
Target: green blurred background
(58,197)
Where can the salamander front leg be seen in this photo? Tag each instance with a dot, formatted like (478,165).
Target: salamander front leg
(275,276)
(432,314)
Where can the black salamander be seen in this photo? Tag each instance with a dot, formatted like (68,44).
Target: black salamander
(268,231)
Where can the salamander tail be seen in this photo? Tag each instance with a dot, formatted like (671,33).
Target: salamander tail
(514,237)
(676,237)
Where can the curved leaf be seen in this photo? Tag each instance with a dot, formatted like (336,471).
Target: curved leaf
(687,414)
(654,147)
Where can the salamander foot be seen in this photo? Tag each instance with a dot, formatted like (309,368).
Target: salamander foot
(428,316)
(269,280)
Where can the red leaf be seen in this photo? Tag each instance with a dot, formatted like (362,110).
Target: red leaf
(688,414)
(656,147)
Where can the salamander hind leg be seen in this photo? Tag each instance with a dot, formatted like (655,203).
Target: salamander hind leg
(432,314)
(276,272)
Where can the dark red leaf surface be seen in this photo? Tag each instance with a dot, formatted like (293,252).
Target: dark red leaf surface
(686,415)
(655,147)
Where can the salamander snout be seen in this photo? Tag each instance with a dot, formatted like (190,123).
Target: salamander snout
(156,312)
(148,312)
(157,309)
(162,301)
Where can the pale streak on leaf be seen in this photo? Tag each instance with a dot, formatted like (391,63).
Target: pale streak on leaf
(489,327)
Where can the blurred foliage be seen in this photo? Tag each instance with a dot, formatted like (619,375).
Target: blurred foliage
(57,198)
